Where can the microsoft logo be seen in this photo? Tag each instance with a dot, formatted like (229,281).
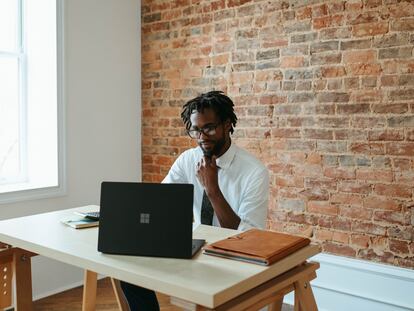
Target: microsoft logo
(144,218)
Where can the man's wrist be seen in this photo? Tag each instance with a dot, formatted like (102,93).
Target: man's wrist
(213,192)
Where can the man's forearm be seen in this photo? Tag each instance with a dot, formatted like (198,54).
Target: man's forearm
(225,214)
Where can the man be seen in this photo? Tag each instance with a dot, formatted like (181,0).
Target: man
(231,187)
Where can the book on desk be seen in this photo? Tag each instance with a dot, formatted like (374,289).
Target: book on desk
(257,246)
(80,222)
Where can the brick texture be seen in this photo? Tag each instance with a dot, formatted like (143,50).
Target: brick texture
(324,92)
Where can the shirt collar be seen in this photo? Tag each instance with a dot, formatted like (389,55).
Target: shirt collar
(225,160)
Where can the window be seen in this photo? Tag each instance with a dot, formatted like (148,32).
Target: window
(31,129)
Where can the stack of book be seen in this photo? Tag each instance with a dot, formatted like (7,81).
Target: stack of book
(79,222)
(257,246)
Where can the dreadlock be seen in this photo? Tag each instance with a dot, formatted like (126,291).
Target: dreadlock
(215,100)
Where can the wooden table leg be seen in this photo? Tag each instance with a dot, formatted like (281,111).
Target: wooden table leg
(296,304)
(89,290)
(304,299)
(269,293)
(277,305)
(6,277)
(23,277)
(120,298)
(186,305)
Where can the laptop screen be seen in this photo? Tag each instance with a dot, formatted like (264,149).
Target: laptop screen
(146,219)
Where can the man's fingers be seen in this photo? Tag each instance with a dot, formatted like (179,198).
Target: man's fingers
(213,160)
(207,160)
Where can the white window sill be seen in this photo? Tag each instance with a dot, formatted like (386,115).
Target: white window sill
(32,194)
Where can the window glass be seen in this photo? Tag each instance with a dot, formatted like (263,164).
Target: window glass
(8,25)
(9,120)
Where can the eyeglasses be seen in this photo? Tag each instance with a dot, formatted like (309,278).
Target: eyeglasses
(208,130)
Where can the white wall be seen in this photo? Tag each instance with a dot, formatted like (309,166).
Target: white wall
(103,116)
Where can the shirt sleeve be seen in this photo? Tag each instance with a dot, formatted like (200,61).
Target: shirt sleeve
(176,174)
(254,203)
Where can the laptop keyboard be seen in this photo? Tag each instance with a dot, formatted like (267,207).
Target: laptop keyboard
(92,215)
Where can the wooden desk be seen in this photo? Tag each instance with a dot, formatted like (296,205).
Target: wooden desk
(202,283)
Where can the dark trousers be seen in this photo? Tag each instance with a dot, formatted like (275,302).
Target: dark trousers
(140,298)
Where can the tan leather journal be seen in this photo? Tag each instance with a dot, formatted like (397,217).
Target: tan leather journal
(257,246)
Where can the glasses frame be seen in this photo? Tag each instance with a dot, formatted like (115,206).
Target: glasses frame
(204,130)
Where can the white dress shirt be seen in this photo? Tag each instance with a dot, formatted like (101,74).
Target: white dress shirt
(243,180)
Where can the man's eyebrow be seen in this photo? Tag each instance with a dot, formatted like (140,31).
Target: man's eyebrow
(205,125)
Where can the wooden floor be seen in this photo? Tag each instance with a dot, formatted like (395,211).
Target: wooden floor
(71,300)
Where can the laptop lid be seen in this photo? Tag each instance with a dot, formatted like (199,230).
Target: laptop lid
(146,219)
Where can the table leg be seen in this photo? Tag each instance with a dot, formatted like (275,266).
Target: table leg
(277,305)
(89,290)
(6,277)
(185,305)
(304,299)
(23,277)
(120,298)
(296,304)
(269,293)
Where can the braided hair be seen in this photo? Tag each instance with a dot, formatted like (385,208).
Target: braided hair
(215,100)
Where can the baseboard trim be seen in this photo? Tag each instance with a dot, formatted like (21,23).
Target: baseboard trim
(365,285)
(359,296)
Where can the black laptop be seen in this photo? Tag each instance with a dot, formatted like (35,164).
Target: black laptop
(147,219)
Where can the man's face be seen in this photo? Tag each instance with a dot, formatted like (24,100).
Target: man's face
(217,143)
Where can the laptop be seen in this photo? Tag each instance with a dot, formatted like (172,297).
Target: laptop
(147,219)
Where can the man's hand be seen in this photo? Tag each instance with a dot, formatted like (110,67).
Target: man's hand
(207,174)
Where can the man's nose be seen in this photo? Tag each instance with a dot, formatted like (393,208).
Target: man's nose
(201,134)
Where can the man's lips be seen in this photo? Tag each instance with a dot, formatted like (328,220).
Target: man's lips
(206,143)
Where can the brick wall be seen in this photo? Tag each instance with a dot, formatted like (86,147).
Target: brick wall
(324,92)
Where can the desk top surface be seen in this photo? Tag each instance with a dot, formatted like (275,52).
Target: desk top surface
(205,280)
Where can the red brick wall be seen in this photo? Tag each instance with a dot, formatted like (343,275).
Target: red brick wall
(324,92)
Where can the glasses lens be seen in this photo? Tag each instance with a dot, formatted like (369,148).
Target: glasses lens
(209,130)
(193,133)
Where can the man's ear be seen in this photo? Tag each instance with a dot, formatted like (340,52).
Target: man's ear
(227,125)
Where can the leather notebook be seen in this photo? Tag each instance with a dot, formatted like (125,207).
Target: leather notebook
(257,246)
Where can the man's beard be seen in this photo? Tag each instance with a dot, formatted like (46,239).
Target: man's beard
(216,149)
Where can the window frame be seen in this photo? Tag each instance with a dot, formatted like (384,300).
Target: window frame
(19,55)
(61,188)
